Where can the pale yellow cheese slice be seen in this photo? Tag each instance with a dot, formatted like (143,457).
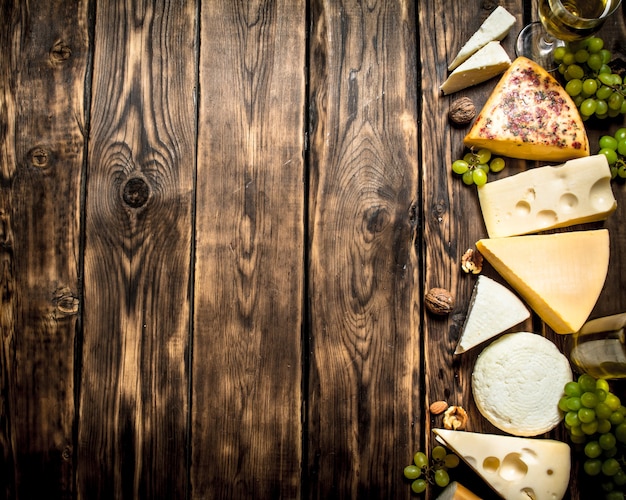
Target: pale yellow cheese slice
(488,62)
(493,309)
(516,468)
(538,199)
(559,275)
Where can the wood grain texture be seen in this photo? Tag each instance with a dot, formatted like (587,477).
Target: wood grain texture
(138,246)
(42,71)
(249,282)
(363,283)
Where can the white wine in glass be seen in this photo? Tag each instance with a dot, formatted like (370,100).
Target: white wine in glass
(562,21)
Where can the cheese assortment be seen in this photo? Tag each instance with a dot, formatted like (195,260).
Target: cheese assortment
(485,318)
(518,381)
(549,197)
(489,62)
(516,468)
(529,115)
(494,28)
(560,275)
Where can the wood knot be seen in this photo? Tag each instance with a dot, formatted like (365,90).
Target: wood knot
(39,157)
(60,52)
(136,192)
(66,302)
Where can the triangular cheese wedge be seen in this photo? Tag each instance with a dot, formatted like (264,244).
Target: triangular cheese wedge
(530,116)
(559,275)
(493,309)
(485,64)
(516,468)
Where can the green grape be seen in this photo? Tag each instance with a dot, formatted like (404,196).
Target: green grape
(460,167)
(604,92)
(592,449)
(442,478)
(589,428)
(605,69)
(589,399)
(615,101)
(497,164)
(451,461)
(607,441)
(468,177)
(610,467)
(574,71)
(483,155)
(438,453)
(420,459)
(621,147)
(595,44)
(611,155)
(581,56)
(586,415)
(412,472)
(572,389)
(578,439)
(563,404)
(590,86)
(604,425)
(575,87)
(419,486)
(611,452)
(469,158)
(573,403)
(620,134)
(616,418)
(620,432)
(587,383)
(622,110)
(595,62)
(606,79)
(621,172)
(483,166)
(593,467)
(620,478)
(560,52)
(603,411)
(568,59)
(576,431)
(608,141)
(614,495)
(571,419)
(588,107)
(613,401)
(613,169)
(601,394)
(479,176)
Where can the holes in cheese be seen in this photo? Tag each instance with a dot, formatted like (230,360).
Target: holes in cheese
(493,309)
(516,468)
(575,192)
(560,276)
(517,383)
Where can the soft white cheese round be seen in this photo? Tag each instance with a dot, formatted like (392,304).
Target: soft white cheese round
(517,383)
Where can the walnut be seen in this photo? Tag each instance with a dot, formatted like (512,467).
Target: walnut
(462,111)
(455,418)
(439,301)
(438,407)
(472,261)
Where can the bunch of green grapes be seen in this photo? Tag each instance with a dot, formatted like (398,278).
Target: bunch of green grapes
(475,166)
(614,148)
(596,421)
(589,79)
(423,471)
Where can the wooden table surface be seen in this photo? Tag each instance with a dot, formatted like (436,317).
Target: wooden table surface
(217,223)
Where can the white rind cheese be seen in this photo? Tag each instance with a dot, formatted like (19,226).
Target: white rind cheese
(518,381)
(495,27)
(576,192)
(516,468)
(490,61)
(560,275)
(493,309)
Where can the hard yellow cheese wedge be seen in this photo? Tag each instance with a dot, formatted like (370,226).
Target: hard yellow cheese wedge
(456,491)
(559,275)
(576,192)
(530,116)
(516,468)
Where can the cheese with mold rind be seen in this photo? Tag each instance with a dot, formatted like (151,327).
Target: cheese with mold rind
(487,63)
(576,192)
(495,27)
(560,275)
(516,468)
(493,309)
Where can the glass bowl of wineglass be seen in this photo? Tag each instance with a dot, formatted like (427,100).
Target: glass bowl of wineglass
(562,21)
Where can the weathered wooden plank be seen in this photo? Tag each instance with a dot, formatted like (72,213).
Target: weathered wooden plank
(364,388)
(138,232)
(42,73)
(246,429)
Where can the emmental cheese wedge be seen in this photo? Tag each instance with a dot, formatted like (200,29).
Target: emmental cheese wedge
(538,199)
(493,309)
(487,63)
(530,116)
(516,468)
(559,275)
(495,27)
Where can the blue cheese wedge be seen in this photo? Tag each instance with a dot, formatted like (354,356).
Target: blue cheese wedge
(576,192)
(516,468)
(493,309)
(490,61)
(494,28)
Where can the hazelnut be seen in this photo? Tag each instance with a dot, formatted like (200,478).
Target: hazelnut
(455,418)
(439,301)
(462,111)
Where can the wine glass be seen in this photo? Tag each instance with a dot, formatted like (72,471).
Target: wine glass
(562,21)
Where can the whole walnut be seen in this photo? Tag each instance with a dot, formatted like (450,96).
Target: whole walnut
(439,301)
(462,111)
